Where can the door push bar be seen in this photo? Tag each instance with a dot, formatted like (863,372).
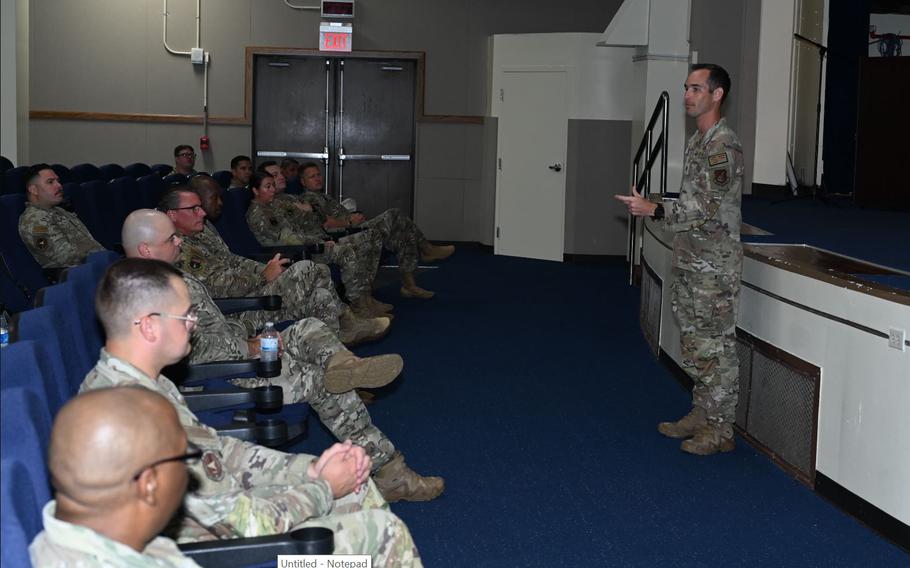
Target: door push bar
(309,155)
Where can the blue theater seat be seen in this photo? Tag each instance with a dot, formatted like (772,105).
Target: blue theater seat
(151,187)
(223,177)
(23,267)
(232,224)
(138,170)
(175,179)
(21,505)
(111,171)
(162,169)
(5,164)
(14,180)
(63,172)
(63,297)
(26,431)
(46,326)
(82,173)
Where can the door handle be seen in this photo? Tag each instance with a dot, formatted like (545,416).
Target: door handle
(556,167)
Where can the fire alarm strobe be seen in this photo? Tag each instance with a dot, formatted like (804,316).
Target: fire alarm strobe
(337,9)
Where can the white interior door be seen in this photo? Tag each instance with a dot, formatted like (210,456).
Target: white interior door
(531,179)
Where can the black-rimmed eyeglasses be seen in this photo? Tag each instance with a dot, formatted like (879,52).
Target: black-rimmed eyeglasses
(192,454)
(194,208)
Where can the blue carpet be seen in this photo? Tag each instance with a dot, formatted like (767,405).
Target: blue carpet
(529,387)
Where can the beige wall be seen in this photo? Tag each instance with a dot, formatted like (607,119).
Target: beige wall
(107,56)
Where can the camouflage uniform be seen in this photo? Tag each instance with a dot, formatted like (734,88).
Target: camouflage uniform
(707,264)
(308,346)
(306,288)
(65,544)
(247,490)
(55,237)
(357,255)
(398,232)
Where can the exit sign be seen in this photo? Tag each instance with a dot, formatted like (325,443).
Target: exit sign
(335,36)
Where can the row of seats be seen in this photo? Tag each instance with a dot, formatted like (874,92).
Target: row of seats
(13,179)
(53,346)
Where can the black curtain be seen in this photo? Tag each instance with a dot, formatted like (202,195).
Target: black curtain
(848,42)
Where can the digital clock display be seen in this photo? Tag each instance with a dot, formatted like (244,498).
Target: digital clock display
(337,9)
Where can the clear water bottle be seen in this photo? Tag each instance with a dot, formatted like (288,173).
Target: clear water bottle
(268,343)
(4,330)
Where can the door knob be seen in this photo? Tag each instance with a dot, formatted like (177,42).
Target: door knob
(556,167)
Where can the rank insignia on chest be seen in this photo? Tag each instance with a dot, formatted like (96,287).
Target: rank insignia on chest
(717,159)
(196,263)
(41,243)
(720,177)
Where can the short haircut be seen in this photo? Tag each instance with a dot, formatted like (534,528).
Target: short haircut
(202,182)
(31,175)
(131,286)
(235,161)
(181,148)
(256,180)
(266,164)
(171,198)
(717,77)
(309,165)
(288,161)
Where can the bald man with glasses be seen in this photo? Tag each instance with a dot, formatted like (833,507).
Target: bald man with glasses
(118,462)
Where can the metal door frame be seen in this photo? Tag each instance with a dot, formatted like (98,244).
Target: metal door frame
(418,58)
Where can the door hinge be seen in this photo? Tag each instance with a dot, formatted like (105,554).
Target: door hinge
(502,95)
(497,232)
(499,163)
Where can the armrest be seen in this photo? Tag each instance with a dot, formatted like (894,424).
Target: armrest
(54,275)
(260,549)
(182,373)
(268,398)
(234,305)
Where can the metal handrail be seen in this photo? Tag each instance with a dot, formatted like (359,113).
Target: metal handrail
(651,150)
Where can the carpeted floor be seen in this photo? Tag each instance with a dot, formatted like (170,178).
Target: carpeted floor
(529,387)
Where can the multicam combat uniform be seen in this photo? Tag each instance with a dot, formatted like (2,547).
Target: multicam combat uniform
(306,288)
(707,264)
(357,255)
(398,232)
(308,345)
(65,544)
(247,490)
(55,237)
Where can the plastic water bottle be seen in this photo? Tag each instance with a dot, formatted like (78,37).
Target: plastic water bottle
(4,330)
(268,343)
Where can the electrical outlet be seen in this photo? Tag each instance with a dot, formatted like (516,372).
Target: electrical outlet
(896,338)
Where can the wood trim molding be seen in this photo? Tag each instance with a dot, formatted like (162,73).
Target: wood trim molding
(246,119)
(135,117)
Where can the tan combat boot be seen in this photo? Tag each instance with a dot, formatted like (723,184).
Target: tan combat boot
(397,482)
(380,306)
(366,397)
(685,427)
(347,371)
(431,253)
(355,331)
(410,289)
(710,439)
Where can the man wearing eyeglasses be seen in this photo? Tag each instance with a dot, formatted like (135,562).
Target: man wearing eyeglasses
(244,489)
(184,160)
(316,367)
(305,287)
(118,462)
(57,238)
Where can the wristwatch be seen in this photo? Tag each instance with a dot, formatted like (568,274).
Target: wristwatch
(659,212)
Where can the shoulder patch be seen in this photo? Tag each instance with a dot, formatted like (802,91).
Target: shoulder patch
(197,262)
(39,230)
(41,243)
(212,466)
(717,159)
(720,177)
